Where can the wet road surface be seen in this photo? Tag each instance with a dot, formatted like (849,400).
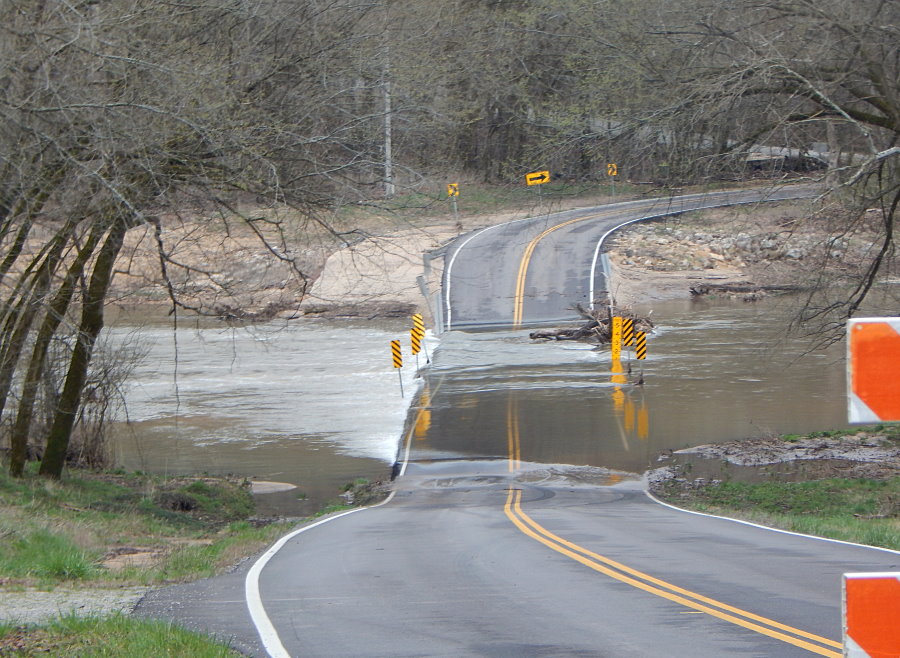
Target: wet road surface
(493,554)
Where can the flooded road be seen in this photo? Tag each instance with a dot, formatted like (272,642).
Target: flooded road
(317,403)
(715,372)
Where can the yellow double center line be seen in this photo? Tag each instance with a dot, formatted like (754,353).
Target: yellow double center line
(513,509)
(519,298)
(513,440)
(647,583)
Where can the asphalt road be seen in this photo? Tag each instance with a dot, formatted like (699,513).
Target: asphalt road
(534,270)
(444,570)
(456,564)
(506,558)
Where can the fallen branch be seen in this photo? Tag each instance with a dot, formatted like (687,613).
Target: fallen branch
(596,329)
(737,288)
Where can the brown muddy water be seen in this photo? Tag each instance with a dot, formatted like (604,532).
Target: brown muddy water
(715,371)
(317,404)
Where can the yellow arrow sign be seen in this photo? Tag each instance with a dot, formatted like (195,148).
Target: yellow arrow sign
(452,189)
(537,178)
(612,169)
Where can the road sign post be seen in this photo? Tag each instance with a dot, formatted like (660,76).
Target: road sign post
(397,359)
(415,342)
(640,345)
(640,352)
(453,192)
(615,346)
(627,331)
(612,170)
(537,178)
(419,328)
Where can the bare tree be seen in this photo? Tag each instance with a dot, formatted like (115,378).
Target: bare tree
(133,116)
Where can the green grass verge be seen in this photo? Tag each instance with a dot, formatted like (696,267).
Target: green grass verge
(59,533)
(858,510)
(54,532)
(113,636)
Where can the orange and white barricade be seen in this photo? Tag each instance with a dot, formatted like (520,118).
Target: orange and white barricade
(871,614)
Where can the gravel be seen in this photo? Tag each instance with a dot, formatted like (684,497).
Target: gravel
(32,606)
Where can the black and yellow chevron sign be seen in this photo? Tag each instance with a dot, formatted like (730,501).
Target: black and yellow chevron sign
(395,353)
(417,333)
(640,345)
(537,178)
(627,331)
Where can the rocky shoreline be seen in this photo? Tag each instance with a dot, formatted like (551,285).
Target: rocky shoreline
(871,453)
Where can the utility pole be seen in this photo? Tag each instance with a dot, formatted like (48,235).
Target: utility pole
(388,128)
(389,187)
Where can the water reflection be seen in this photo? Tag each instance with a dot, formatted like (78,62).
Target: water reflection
(726,373)
(318,404)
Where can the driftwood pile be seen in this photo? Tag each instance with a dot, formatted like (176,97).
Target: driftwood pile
(750,291)
(596,329)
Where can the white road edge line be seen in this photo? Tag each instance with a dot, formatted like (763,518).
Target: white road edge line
(267,634)
(667,213)
(765,527)
(596,257)
(266,630)
(592,210)
(448,312)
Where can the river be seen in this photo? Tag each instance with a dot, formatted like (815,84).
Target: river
(317,403)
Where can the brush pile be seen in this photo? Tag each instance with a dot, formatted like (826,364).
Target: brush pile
(597,327)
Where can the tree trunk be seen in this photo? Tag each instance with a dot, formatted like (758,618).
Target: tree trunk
(18,440)
(20,318)
(88,330)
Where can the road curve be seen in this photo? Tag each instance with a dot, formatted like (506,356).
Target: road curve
(509,558)
(533,271)
(445,569)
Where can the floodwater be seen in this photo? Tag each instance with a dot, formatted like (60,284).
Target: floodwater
(715,371)
(317,403)
(312,403)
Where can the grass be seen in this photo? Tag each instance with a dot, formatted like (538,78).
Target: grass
(60,532)
(112,636)
(57,533)
(860,510)
(857,510)
(45,555)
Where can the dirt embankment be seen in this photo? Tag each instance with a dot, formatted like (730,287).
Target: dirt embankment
(227,271)
(743,252)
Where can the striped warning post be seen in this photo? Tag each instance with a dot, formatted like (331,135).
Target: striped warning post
(627,331)
(871,610)
(415,340)
(395,354)
(640,345)
(418,322)
(873,361)
(615,346)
